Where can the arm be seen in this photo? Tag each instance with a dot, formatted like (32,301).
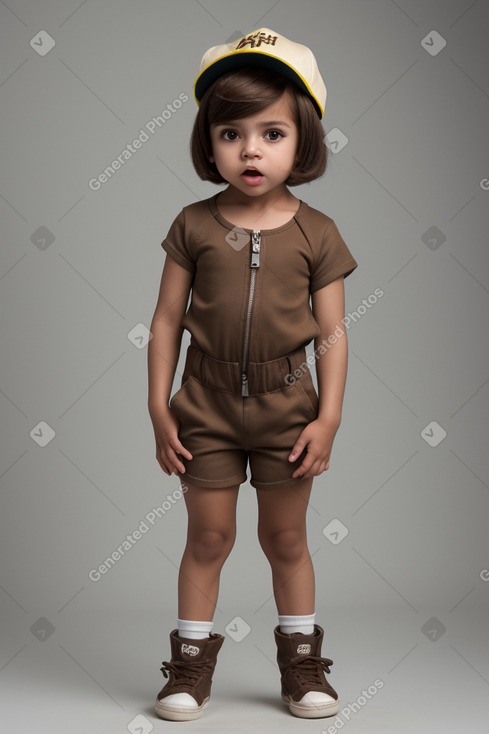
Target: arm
(328,305)
(163,353)
(328,308)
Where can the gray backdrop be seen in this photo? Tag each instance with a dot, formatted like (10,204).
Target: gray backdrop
(398,525)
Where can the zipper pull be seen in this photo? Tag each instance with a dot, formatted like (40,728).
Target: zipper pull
(244,385)
(255,249)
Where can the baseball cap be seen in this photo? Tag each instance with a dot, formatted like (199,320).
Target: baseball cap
(266,49)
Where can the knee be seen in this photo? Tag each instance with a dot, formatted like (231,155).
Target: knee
(285,545)
(211,545)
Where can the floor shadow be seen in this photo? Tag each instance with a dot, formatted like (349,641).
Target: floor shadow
(268,700)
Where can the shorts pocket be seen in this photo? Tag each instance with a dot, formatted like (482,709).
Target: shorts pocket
(308,395)
(180,391)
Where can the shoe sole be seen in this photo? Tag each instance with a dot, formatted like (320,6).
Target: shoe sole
(308,712)
(174,714)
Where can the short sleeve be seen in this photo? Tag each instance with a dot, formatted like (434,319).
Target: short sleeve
(177,244)
(332,260)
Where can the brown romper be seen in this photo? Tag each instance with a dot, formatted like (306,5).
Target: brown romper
(250,321)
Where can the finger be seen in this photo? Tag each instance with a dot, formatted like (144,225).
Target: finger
(308,463)
(179,448)
(297,449)
(162,464)
(175,456)
(170,462)
(177,465)
(315,470)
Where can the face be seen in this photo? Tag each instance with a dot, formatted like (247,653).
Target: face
(265,143)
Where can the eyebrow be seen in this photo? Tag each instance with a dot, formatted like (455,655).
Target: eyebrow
(263,124)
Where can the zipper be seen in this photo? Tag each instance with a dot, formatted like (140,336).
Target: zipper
(254,264)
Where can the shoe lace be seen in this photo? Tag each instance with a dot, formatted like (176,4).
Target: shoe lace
(185,671)
(309,668)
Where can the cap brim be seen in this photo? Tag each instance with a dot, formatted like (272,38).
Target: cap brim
(240,59)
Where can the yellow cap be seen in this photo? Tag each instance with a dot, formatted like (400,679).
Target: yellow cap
(266,49)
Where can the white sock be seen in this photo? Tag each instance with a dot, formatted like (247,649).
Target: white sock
(300,623)
(194,630)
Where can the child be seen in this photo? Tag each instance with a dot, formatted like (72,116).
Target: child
(253,256)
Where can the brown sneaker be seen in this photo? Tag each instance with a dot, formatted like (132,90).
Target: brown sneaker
(186,694)
(304,685)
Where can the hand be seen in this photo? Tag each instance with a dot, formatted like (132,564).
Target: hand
(318,437)
(168,446)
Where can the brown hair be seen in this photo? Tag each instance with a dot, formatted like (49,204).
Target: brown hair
(233,96)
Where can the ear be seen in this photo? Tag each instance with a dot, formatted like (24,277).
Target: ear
(212,159)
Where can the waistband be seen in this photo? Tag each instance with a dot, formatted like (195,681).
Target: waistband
(263,377)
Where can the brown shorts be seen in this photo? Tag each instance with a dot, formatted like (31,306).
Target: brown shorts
(222,429)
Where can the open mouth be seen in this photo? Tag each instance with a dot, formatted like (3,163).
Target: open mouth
(252,175)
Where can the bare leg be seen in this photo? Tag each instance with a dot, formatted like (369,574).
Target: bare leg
(282,533)
(211,533)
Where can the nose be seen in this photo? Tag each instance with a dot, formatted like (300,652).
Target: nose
(251,147)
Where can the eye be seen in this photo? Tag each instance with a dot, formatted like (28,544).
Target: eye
(274,135)
(229,135)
